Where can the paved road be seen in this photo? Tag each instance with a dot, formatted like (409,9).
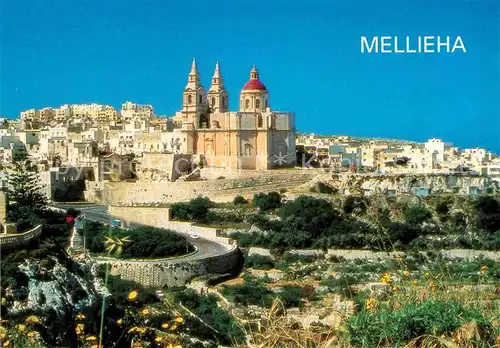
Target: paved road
(95,212)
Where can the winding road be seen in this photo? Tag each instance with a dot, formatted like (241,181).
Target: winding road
(95,212)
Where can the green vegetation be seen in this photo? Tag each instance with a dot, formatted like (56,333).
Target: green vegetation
(267,201)
(240,200)
(146,242)
(376,223)
(420,300)
(421,323)
(24,193)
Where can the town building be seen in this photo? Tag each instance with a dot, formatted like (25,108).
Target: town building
(254,137)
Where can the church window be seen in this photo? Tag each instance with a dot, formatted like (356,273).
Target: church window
(257,103)
(200,99)
(259,121)
(266,103)
(247,103)
(213,101)
(248,149)
(190,99)
(224,101)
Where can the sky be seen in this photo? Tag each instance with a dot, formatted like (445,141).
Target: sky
(307,52)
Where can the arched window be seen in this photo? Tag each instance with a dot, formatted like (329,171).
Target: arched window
(190,99)
(213,101)
(224,101)
(248,149)
(266,103)
(257,103)
(247,104)
(201,99)
(259,121)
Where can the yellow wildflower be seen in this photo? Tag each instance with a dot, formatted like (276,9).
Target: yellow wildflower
(119,321)
(3,332)
(31,334)
(91,338)
(132,295)
(164,326)
(179,320)
(158,339)
(395,289)
(406,273)
(178,346)
(80,316)
(399,259)
(6,343)
(484,268)
(21,327)
(79,329)
(386,278)
(145,311)
(32,319)
(173,327)
(371,303)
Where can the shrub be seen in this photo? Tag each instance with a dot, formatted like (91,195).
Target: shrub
(290,295)
(251,292)
(195,210)
(259,261)
(355,205)
(239,200)
(73,212)
(417,214)
(263,201)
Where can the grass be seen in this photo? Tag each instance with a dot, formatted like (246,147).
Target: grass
(429,301)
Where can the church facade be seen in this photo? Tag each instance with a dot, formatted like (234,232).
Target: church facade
(254,137)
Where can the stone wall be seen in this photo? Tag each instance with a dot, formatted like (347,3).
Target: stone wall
(143,191)
(174,272)
(8,241)
(159,217)
(401,184)
(374,255)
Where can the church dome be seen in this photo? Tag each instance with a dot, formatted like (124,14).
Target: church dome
(254,84)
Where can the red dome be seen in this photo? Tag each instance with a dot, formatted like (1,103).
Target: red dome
(254,84)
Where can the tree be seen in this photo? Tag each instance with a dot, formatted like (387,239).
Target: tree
(24,191)
(269,201)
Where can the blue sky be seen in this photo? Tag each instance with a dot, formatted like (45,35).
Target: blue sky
(308,54)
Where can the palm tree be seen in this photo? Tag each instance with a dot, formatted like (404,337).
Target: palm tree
(114,247)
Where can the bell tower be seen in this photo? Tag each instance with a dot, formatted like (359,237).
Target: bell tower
(194,98)
(217,94)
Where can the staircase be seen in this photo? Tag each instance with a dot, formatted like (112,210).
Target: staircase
(76,242)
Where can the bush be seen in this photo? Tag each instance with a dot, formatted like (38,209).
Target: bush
(417,214)
(259,262)
(290,295)
(146,242)
(195,210)
(263,201)
(73,212)
(251,292)
(355,205)
(240,200)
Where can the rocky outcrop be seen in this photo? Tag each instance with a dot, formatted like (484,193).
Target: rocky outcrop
(399,184)
(55,288)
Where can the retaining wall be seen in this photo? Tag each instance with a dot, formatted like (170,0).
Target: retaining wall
(14,240)
(174,272)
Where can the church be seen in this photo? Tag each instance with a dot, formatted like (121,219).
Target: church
(254,137)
